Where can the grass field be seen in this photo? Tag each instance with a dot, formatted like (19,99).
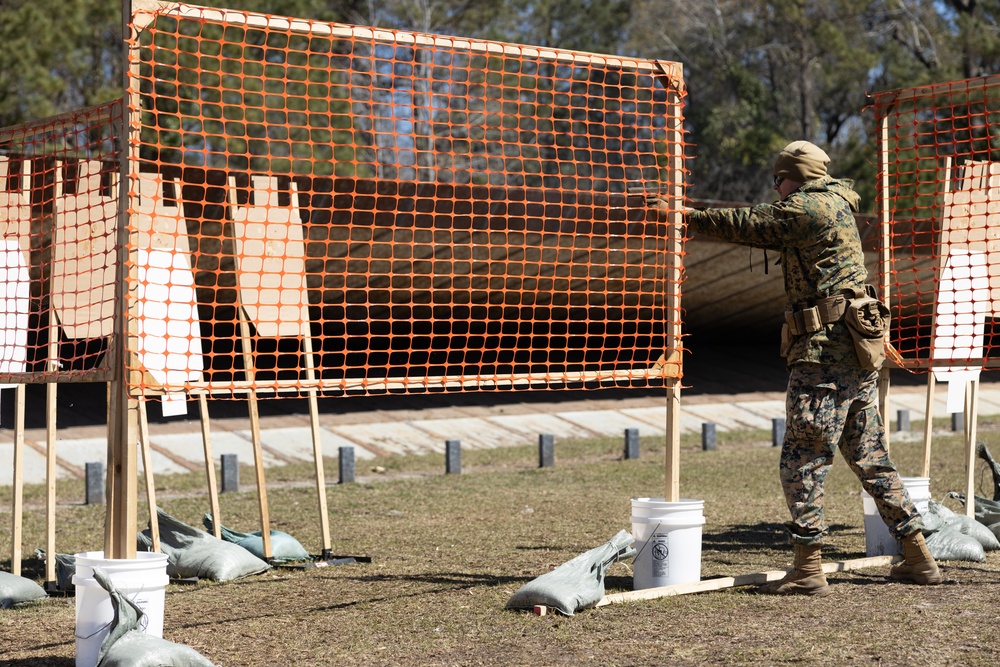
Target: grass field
(447,551)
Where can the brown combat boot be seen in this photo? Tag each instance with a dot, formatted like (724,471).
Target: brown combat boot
(806,579)
(918,564)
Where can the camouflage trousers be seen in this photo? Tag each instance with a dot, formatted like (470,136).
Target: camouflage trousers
(831,407)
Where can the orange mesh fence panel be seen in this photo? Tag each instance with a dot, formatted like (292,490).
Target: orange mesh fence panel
(59,213)
(939,198)
(323,206)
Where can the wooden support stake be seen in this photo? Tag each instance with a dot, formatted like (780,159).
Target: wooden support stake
(971,417)
(258,451)
(928,424)
(324,519)
(50,454)
(885,259)
(147,468)
(737,581)
(674,275)
(120,520)
(213,488)
(18,508)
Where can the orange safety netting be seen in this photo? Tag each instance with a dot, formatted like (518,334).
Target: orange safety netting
(939,200)
(316,206)
(59,209)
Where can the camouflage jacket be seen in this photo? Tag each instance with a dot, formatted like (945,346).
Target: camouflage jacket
(815,232)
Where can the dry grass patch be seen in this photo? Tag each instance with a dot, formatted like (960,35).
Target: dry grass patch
(448,550)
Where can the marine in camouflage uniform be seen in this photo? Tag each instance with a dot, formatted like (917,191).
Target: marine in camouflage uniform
(831,401)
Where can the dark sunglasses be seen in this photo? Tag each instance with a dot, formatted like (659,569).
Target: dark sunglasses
(778,180)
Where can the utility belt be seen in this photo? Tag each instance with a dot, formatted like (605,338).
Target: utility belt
(866,316)
(809,317)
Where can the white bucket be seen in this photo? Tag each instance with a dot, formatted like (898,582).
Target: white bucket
(142,580)
(878,540)
(668,542)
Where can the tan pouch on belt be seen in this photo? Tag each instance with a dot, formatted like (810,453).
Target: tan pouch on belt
(786,341)
(868,321)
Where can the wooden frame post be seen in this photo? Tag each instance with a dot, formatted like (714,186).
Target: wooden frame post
(925,471)
(123,408)
(258,450)
(885,260)
(213,487)
(17,510)
(51,395)
(971,417)
(324,519)
(147,469)
(674,274)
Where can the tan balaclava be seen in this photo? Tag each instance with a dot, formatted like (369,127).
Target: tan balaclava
(801,161)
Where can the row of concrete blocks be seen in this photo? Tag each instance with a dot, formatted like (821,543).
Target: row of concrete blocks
(95,476)
(453,454)
(709,441)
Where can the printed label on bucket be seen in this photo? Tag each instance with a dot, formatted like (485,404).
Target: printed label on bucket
(660,552)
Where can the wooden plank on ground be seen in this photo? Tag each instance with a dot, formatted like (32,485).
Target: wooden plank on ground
(720,583)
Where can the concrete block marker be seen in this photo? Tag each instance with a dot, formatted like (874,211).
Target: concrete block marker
(631,443)
(777,431)
(453,457)
(94,472)
(345,464)
(709,439)
(230,473)
(546,450)
(902,420)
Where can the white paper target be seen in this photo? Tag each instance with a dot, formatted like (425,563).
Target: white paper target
(168,329)
(271,254)
(960,314)
(14,307)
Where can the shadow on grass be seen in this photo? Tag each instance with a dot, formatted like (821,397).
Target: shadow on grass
(443,582)
(41,662)
(32,567)
(755,536)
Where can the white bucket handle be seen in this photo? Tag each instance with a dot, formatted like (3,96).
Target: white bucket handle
(699,521)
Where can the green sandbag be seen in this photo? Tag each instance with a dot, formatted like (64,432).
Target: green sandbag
(983,452)
(576,584)
(987,511)
(194,553)
(966,525)
(15,590)
(948,543)
(65,569)
(284,547)
(127,646)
